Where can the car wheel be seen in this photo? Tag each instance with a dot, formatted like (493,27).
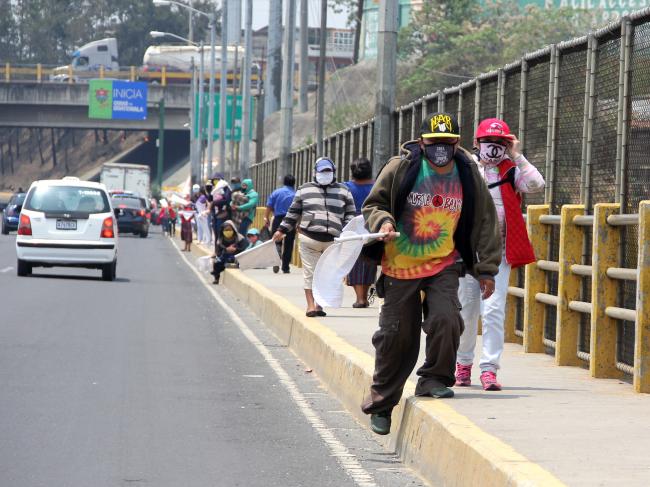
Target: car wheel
(5,230)
(144,234)
(24,268)
(109,271)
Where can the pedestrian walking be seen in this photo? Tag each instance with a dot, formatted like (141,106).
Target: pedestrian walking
(229,243)
(277,205)
(323,207)
(364,272)
(434,196)
(508,174)
(246,211)
(187,215)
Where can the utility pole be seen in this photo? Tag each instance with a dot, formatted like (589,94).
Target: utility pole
(244,157)
(234,36)
(273,78)
(358,20)
(322,59)
(213,48)
(202,131)
(161,143)
(304,57)
(386,74)
(190,30)
(194,178)
(222,88)
(259,128)
(286,105)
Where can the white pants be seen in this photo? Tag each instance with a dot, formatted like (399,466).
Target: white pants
(203,229)
(492,312)
(310,252)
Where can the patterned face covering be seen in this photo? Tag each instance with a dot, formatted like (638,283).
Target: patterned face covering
(439,154)
(491,152)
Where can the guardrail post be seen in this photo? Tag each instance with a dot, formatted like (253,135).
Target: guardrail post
(164,76)
(569,285)
(39,72)
(511,312)
(604,330)
(534,312)
(642,331)
(7,72)
(70,79)
(132,74)
(101,72)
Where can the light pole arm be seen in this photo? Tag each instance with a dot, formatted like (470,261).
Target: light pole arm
(182,5)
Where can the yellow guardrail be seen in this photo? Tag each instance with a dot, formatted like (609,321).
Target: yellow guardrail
(41,73)
(607,275)
(258,222)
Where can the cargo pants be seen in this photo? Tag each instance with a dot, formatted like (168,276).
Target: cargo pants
(397,341)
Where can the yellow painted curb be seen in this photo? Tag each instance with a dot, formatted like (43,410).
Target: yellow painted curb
(442,445)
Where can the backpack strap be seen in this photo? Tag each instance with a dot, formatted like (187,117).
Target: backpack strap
(509,178)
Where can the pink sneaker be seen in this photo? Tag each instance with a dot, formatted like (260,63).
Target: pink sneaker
(489,381)
(463,375)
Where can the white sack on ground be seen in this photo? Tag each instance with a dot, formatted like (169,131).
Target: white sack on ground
(336,263)
(204,263)
(260,257)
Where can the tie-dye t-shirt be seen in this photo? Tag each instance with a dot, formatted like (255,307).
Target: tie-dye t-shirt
(427,224)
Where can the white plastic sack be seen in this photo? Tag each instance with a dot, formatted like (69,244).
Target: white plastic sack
(336,263)
(204,264)
(260,257)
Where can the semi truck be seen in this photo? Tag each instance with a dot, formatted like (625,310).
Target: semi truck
(134,178)
(88,59)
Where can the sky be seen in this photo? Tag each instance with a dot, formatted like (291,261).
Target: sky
(261,14)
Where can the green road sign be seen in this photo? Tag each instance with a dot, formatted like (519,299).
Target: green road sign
(100,99)
(229,117)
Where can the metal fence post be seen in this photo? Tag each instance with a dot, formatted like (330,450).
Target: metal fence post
(477,106)
(569,286)
(441,100)
(523,102)
(501,93)
(623,112)
(586,123)
(534,311)
(459,113)
(550,125)
(39,72)
(510,320)
(7,72)
(642,331)
(604,292)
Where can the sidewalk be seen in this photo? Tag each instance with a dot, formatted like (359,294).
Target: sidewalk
(583,431)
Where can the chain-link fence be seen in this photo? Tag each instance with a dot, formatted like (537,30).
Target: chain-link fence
(582,111)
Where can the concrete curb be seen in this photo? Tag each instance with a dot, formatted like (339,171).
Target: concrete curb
(442,445)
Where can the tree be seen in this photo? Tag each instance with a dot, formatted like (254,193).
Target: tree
(448,42)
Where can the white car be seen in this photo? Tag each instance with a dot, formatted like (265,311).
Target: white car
(69,223)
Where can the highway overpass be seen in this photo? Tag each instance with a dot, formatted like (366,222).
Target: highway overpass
(63,105)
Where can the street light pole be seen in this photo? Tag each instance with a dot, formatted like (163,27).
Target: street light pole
(213,35)
(320,103)
(194,177)
(223,85)
(244,159)
(161,143)
(201,115)
(286,103)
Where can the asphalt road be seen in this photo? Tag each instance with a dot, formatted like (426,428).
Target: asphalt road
(148,381)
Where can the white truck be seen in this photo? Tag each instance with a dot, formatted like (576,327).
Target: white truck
(134,178)
(87,60)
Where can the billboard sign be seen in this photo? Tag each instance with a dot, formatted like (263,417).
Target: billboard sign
(117,100)
(238,130)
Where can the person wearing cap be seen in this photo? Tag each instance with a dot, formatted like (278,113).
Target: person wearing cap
(508,174)
(439,222)
(253,236)
(277,205)
(323,207)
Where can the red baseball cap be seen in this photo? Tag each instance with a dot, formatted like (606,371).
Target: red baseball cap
(493,127)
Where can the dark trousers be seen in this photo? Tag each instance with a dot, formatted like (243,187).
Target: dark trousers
(220,264)
(397,341)
(285,247)
(216,227)
(243,226)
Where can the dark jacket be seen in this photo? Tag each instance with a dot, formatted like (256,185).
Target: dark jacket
(238,240)
(476,237)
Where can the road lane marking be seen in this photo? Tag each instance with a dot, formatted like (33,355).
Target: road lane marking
(6,269)
(347,460)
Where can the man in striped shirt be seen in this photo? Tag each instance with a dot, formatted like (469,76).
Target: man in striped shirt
(320,210)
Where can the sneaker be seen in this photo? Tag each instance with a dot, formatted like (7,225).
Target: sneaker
(463,375)
(489,381)
(276,269)
(380,422)
(438,393)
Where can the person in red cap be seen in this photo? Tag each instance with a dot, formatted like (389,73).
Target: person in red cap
(508,174)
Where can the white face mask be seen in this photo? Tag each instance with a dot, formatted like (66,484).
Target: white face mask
(491,152)
(324,178)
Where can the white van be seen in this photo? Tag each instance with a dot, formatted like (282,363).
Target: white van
(69,223)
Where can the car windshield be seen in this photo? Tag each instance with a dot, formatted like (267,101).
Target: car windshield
(18,199)
(127,202)
(54,199)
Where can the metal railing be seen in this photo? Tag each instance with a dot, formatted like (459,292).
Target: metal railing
(42,73)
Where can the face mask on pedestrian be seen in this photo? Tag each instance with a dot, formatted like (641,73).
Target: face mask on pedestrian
(228,233)
(324,178)
(439,154)
(492,152)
